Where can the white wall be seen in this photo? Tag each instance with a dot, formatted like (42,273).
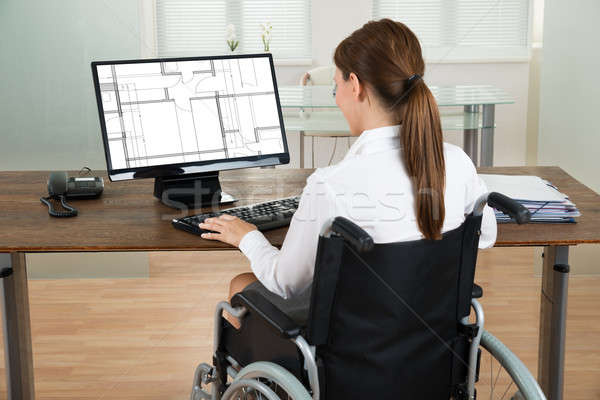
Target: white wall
(48,107)
(570,89)
(569,134)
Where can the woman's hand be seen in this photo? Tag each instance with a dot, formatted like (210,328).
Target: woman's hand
(230,229)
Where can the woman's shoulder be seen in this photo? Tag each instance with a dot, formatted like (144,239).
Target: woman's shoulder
(318,180)
(453,149)
(325,174)
(456,157)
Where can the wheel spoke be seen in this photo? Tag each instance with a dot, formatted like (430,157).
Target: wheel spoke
(491,377)
(507,389)
(500,382)
(498,374)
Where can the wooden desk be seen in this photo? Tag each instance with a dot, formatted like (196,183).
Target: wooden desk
(128,218)
(556,239)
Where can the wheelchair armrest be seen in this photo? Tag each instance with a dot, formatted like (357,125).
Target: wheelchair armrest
(509,206)
(352,233)
(258,305)
(477,291)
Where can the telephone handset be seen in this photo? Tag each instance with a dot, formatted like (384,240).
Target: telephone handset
(61,187)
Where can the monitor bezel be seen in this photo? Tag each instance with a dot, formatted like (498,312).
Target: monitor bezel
(194,166)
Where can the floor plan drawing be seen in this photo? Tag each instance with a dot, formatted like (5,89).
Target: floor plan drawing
(186,111)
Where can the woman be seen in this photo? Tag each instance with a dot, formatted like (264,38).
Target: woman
(399,181)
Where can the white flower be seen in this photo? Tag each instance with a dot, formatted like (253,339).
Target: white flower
(266,34)
(231,35)
(232,41)
(266,27)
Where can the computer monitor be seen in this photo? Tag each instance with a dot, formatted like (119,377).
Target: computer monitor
(182,120)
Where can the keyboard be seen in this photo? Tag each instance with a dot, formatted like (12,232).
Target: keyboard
(268,215)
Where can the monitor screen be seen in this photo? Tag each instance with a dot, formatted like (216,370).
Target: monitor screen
(193,114)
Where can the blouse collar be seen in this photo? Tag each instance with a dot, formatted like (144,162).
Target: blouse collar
(375,140)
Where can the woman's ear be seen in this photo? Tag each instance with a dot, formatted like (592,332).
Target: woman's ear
(358,89)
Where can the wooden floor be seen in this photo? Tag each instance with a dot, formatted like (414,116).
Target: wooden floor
(142,338)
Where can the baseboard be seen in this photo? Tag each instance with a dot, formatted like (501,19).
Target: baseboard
(87,265)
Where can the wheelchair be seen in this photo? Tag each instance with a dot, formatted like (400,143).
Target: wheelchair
(386,321)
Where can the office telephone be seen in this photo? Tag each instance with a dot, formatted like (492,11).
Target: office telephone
(61,187)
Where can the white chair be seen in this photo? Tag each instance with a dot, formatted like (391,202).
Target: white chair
(318,76)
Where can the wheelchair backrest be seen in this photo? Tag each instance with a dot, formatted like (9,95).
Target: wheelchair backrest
(386,322)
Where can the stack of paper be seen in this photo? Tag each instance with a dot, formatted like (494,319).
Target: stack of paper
(543,200)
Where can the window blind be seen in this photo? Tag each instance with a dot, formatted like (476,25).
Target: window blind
(463,29)
(198,27)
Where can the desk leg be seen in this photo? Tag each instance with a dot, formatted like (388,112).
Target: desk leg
(487,135)
(470,135)
(301,134)
(17,330)
(553,318)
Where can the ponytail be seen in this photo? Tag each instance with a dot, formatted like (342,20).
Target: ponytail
(422,145)
(387,56)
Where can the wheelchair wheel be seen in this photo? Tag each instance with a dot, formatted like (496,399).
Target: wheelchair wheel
(502,375)
(265,381)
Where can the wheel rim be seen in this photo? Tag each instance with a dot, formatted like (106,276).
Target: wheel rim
(265,380)
(495,383)
(502,372)
(249,389)
(248,393)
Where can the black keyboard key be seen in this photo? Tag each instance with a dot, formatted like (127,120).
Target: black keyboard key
(261,219)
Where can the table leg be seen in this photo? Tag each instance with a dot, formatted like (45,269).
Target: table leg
(16,323)
(301,134)
(553,318)
(487,135)
(470,135)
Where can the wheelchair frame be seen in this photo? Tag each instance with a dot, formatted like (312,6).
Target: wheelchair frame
(528,388)
(206,373)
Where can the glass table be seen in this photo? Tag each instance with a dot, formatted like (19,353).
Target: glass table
(311,110)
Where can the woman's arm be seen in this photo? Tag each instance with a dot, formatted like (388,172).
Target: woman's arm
(489,229)
(290,270)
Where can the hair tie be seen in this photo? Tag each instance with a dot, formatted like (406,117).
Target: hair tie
(412,78)
(410,82)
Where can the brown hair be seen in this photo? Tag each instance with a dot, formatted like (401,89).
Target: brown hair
(385,55)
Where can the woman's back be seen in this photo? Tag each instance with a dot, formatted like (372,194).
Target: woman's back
(371,187)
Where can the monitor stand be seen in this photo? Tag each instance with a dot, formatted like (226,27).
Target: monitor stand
(191,190)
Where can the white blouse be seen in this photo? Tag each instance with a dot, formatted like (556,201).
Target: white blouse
(369,186)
